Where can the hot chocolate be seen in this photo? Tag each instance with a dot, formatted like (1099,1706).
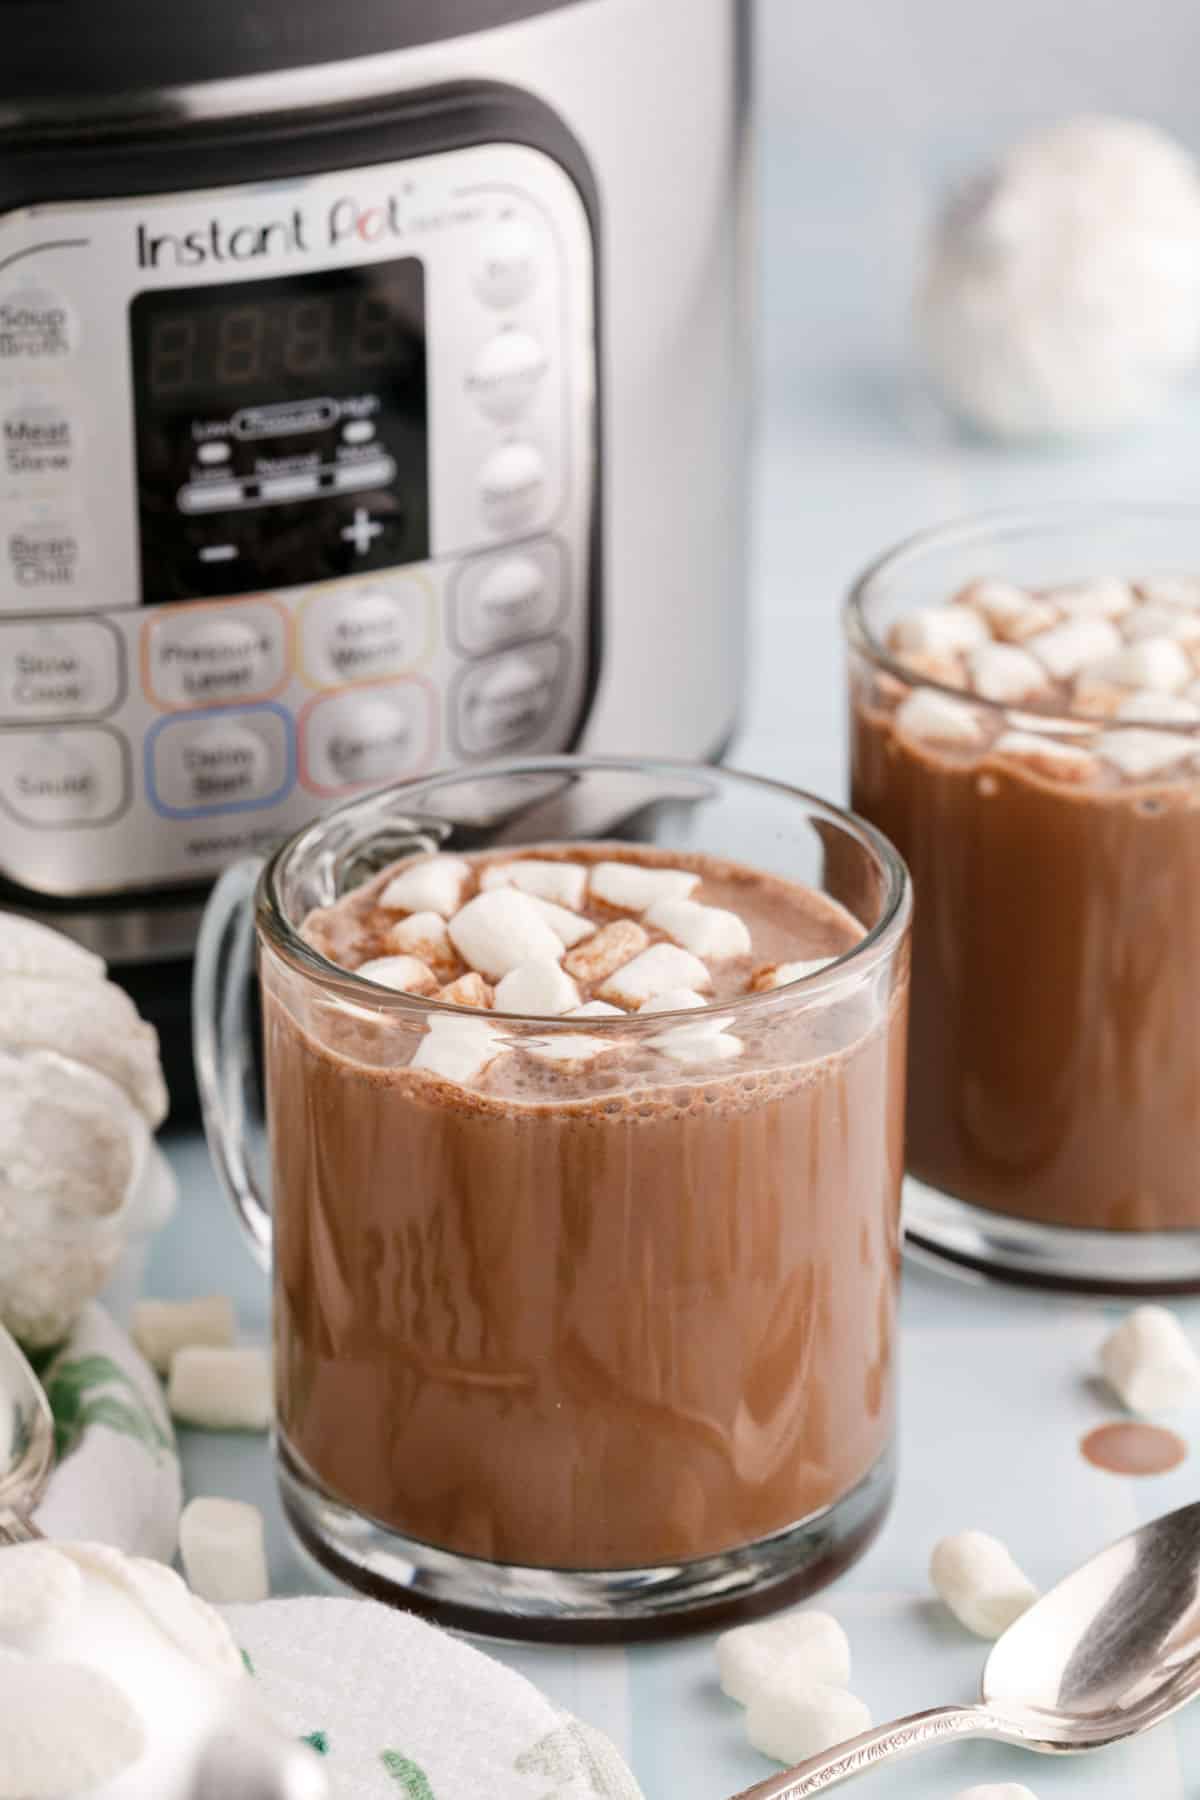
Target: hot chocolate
(609,1293)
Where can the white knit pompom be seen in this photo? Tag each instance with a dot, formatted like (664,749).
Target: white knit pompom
(1062,295)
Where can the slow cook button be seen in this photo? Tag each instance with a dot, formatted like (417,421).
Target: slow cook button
(510,595)
(360,739)
(512,483)
(353,633)
(507,267)
(201,657)
(504,376)
(223,763)
(62,669)
(509,699)
(58,779)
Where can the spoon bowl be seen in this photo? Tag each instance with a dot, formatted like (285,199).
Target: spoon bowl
(26,1443)
(1111,1651)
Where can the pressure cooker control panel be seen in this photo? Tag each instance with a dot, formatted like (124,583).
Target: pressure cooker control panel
(297,495)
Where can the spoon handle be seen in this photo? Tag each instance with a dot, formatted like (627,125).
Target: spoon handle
(861,1754)
(16,1529)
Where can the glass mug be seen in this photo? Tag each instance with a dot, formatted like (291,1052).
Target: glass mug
(574,1368)
(1054,1086)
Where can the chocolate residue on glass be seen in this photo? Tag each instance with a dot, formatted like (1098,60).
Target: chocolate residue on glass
(1130,1448)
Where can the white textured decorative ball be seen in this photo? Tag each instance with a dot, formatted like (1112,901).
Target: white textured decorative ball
(1062,296)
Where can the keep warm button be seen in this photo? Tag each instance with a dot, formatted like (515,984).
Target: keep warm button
(220,763)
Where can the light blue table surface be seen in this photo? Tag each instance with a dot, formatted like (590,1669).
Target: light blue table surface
(997,1387)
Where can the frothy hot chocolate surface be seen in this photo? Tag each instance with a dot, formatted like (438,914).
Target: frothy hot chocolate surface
(603,1309)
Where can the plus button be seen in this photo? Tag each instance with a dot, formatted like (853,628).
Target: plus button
(363,532)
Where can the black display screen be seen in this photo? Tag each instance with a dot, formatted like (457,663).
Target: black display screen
(272,415)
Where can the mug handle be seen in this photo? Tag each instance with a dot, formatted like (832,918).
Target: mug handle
(222,1046)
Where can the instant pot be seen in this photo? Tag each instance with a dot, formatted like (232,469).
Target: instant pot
(370,400)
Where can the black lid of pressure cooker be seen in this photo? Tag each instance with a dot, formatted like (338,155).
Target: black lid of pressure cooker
(91,49)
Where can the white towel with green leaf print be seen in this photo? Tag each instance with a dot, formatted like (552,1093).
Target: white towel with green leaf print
(400,1711)
(117,1480)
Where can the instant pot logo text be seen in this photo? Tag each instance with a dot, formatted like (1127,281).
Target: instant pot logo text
(294,233)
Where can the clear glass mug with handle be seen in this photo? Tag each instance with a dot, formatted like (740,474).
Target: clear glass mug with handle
(572,1360)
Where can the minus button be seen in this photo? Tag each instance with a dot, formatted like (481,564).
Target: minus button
(218,553)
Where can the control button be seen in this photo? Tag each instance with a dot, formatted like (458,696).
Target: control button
(36,326)
(509,699)
(513,594)
(216,451)
(62,778)
(40,439)
(227,762)
(203,656)
(507,263)
(62,669)
(363,738)
(353,633)
(43,555)
(504,376)
(362,531)
(512,483)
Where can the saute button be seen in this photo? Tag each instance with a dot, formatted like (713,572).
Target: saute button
(62,778)
(221,763)
(507,263)
(504,376)
(60,669)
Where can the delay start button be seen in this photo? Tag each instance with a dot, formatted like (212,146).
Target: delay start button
(200,656)
(224,762)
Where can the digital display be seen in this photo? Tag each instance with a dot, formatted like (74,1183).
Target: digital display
(270,415)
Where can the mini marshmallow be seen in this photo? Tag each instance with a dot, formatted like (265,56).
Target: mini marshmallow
(40,1591)
(1149,1362)
(945,668)
(1067,648)
(775,975)
(674,1000)
(569,927)
(1012,613)
(220,1390)
(562,883)
(998,1790)
(1005,673)
(655,971)
(610,949)
(937,719)
(1106,598)
(1046,756)
(570,1047)
(68,1729)
(424,935)
(468,990)
(790,1724)
(939,629)
(812,1645)
(596,1009)
(630,887)
(161,1327)
(499,931)
(703,1042)
(540,988)
(434,885)
(1158,663)
(708,931)
(1139,754)
(1181,591)
(976,1577)
(1150,708)
(1161,621)
(223,1547)
(403,974)
(458,1050)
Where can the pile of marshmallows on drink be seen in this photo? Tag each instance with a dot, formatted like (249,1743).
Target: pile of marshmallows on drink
(529,949)
(1108,649)
(792,1673)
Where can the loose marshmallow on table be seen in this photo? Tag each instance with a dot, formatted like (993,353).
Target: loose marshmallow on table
(776,975)
(937,719)
(562,883)
(458,1050)
(220,1390)
(939,628)
(403,974)
(161,1327)
(500,930)
(1012,612)
(1046,756)
(570,926)
(1067,648)
(631,887)
(979,1581)
(1105,598)
(1005,673)
(424,935)
(790,1723)
(611,947)
(539,987)
(709,931)
(673,1000)
(811,1646)
(1139,754)
(654,971)
(1150,1363)
(469,990)
(224,1552)
(434,885)
(1150,708)
(706,1041)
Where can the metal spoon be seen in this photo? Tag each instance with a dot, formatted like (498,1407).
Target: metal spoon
(1109,1652)
(26,1444)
